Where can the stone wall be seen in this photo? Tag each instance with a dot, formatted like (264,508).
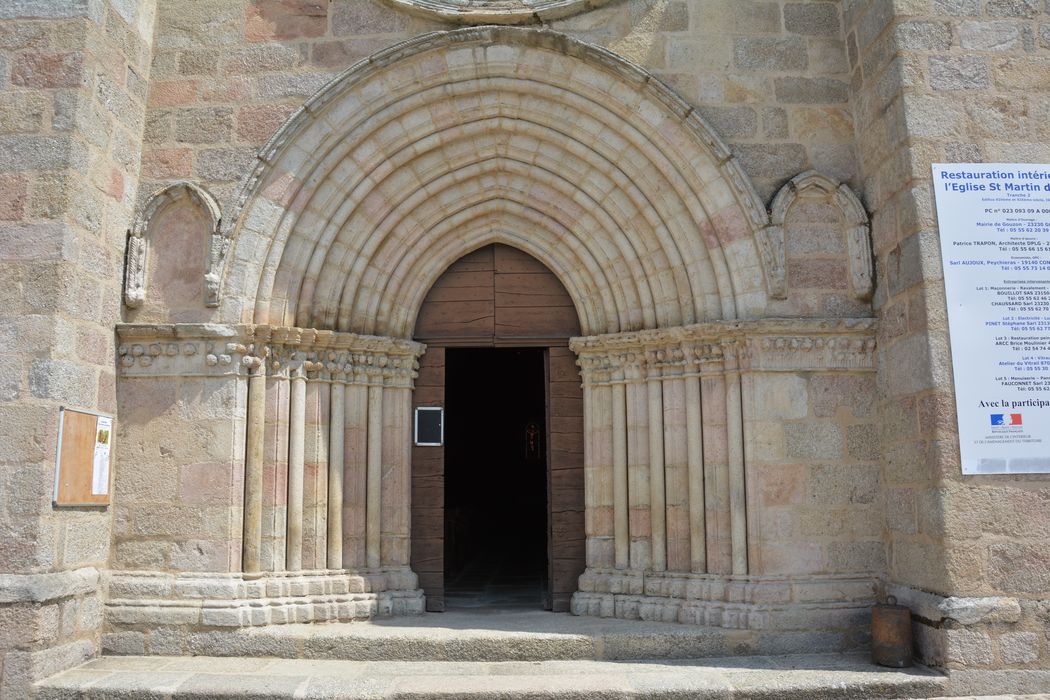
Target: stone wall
(73,84)
(869,92)
(947,81)
(771,77)
(814,256)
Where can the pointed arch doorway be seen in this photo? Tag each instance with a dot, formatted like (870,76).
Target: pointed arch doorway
(498,510)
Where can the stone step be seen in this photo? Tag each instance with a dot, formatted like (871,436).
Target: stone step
(507,635)
(801,677)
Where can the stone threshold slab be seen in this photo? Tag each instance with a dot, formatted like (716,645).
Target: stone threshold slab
(489,635)
(801,677)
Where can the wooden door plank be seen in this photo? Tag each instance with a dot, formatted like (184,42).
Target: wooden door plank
(565,396)
(428,488)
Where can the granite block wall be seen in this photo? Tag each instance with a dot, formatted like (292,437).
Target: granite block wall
(770,77)
(73,87)
(946,81)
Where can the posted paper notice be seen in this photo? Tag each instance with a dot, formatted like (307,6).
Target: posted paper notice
(994,222)
(100,464)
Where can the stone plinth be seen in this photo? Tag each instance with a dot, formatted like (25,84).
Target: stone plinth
(168,609)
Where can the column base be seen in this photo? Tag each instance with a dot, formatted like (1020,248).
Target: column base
(838,607)
(143,600)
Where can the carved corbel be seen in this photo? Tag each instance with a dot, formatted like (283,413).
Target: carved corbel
(771,246)
(135,270)
(858,242)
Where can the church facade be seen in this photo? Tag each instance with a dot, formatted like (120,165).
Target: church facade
(669,266)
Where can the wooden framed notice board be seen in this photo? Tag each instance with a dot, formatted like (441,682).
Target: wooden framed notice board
(82,473)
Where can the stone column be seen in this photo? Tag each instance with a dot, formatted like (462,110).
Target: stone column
(336,425)
(355,471)
(715,441)
(275,461)
(251,559)
(695,456)
(296,466)
(317,504)
(657,493)
(737,483)
(638,477)
(676,473)
(598,472)
(395,509)
(751,498)
(374,480)
(620,510)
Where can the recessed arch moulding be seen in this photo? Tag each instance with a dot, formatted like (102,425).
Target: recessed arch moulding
(456,140)
(495,11)
(629,196)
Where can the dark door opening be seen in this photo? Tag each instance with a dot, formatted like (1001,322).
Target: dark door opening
(496,478)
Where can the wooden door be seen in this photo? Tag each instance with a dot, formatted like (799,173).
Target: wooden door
(567,539)
(499,296)
(428,488)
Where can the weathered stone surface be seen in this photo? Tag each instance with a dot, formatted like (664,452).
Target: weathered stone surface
(51,9)
(814,441)
(48,70)
(41,588)
(285,19)
(762,54)
(970,611)
(19,153)
(369,17)
(1019,647)
(816,19)
(959,73)
(810,91)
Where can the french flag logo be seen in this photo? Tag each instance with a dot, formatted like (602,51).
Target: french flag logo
(1002,419)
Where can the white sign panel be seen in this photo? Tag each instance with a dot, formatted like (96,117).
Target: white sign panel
(100,461)
(995,247)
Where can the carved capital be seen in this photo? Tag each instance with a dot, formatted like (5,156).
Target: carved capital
(762,345)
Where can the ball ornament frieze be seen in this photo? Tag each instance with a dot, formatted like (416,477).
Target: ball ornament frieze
(496,11)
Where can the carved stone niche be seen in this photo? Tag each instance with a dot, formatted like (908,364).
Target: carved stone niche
(821,233)
(172,248)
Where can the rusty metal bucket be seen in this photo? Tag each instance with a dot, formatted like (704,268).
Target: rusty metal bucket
(891,634)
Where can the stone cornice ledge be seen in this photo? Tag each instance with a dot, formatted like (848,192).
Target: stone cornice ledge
(965,611)
(771,344)
(41,588)
(208,349)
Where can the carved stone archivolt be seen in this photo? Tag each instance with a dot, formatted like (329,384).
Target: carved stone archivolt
(496,11)
(661,159)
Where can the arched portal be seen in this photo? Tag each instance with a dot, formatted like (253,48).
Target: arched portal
(453,142)
(695,404)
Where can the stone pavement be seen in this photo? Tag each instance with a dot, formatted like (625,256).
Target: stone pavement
(808,677)
(484,653)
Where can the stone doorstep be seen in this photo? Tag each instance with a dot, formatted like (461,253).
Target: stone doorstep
(805,677)
(492,636)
